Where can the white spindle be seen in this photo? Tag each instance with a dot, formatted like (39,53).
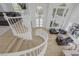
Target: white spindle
(19,28)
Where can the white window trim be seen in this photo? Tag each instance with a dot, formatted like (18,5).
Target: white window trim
(39,22)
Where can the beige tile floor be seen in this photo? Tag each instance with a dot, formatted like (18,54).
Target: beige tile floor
(52,50)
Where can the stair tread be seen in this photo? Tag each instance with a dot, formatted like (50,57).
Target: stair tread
(5,38)
(20,45)
(11,45)
(17,45)
(28,44)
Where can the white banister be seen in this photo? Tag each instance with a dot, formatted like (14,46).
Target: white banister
(19,27)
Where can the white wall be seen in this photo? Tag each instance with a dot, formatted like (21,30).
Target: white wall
(75,15)
(67,20)
(27,22)
(7,7)
(32,10)
(50,11)
(1,9)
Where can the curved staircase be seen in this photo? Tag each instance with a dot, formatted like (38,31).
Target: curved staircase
(24,41)
(11,45)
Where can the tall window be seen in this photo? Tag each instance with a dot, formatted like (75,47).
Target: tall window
(58,15)
(39,15)
(39,22)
